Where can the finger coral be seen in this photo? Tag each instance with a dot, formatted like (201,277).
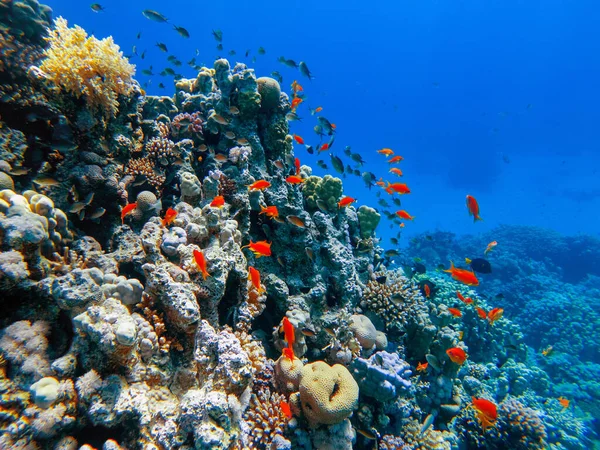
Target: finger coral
(86,66)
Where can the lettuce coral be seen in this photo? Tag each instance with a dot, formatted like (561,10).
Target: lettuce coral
(86,66)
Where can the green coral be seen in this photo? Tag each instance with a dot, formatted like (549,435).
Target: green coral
(368,219)
(327,189)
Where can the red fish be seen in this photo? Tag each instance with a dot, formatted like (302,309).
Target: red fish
(288,331)
(564,402)
(455,312)
(404,215)
(346,201)
(489,247)
(217,202)
(201,262)
(294,179)
(460,297)
(269,211)
(297,165)
(468,300)
(295,102)
(395,159)
(487,412)
(386,151)
(288,352)
(259,185)
(128,209)
(298,139)
(427,290)
(495,314)
(323,147)
(260,248)
(254,276)
(286,409)
(457,355)
(296,87)
(399,188)
(422,367)
(464,276)
(481,312)
(396,171)
(318,109)
(473,208)
(169,217)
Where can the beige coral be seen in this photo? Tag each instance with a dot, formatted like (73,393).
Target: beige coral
(287,374)
(86,66)
(328,394)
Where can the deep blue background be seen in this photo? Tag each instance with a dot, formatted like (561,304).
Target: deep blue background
(453,86)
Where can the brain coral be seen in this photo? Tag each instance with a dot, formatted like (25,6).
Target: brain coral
(328,394)
(83,65)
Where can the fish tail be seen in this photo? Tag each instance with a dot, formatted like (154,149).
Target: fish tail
(476,218)
(451,267)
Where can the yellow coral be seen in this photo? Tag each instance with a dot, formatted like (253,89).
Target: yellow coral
(83,65)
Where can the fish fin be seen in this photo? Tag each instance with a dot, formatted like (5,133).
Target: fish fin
(451,267)
(468,261)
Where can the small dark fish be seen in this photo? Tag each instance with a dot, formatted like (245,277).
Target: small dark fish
(349,170)
(394,241)
(479,265)
(247,52)
(304,70)
(143,55)
(397,201)
(505,158)
(368,177)
(261,51)
(192,62)
(419,268)
(220,47)
(367,434)
(310,149)
(383,203)
(162,47)
(139,35)
(308,332)
(325,125)
(499,296)
(322,164)
(154,15)
(356,173)
(148,72)
(277,76)
(318,130)
(357,158)
(440,267)
(337,164)
(182,31)
(348,150)
(310,253)
(97,7)
(381,280)
(292,117)
(322,205)
(168,71)
(218,35)
(391,253)
(161,86)
(231,52)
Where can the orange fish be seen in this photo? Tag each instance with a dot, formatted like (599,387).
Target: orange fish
(259,185)
(464,276)
(401,225)
(481,312)
(269,211)
(547,351)
(169,217)
(318,109)
(404,215)
(495,314)
(294,179)
(324,147)
(260,248)
(455,312)
(346,201)
(489,247)
(396,171)
(473,208)
(468,300)
(380,183)
(217,202)
(297,165)
(386,151)
(286,409)
(296,221)
(298,139)
(288,352)
(128,209)
(395,159)
(457,355)
(295,102)
(427,290)
(288,331)
(296,87)
(399,188)
(334,126)
(254,276)
(564,402)
(422,367)
(201,262)
(460,297)
(487,412)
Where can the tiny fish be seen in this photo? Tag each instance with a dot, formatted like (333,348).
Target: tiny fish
(337,163)
(97,7)
(234,110)
(367,434)
(479,265)
(170,216)
(230,135)
(346,201)
(97,213)
(19,171)
(297,221)
(285,409)
(154,15)
(261,51)
(45,181)
(304,70)
(218,35)
(422,367)
(128,209)
(217,202)
(473,208)
(309,253)
(182,31)
(220,119)
(308,332)
(162,47)
(77,207)
(242,141)
(277,76)
(200,261)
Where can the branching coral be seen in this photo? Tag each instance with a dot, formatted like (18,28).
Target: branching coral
(265,418)
(83,65)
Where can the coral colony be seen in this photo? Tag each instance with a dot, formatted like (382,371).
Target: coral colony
(172,277)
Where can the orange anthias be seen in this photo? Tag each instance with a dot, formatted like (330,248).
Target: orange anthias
(288,331)
(422,367)
(260,248)
(294,179)
(201,263)
(404,215)
(386,151)
(427,290)
(169,217)
(298,139)
(564,402)
(489,247)
(286,409)
(473,208)
(323,147)
(128,209)
(269,211)
(395,159)
(259,185)
(396,171)
(217,202)
(297,165)
(254,276)
(455,312)
(481,312)
(495,314)
(295,102)
(457,355)
(346,201)
(487,412)
(461,297)
(288,352)
(398,188)
(464,276)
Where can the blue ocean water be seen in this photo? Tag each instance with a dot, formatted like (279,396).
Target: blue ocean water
(497,99)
